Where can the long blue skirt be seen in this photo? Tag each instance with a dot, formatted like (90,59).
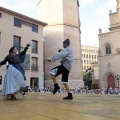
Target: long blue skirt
(13,81)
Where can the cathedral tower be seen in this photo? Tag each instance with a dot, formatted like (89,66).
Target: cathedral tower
(118,5)
(63,21)
(109,52)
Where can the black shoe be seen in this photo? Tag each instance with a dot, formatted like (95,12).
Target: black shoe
(24,94)
(56,88)
(69,97)
(26,89)
(13,97)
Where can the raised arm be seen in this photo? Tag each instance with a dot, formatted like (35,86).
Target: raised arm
(24,51)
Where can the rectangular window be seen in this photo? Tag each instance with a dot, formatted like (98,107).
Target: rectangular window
(84,67)
(26,23)
(34,83)
(85,61)
(17,42)
(34,46)
(0,80)
(35,28)
(17,22)
(86,56)
(34,66)
(26,61)
(0,15)
(95,56)
(92,56)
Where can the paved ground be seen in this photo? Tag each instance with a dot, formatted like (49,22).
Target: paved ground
(37,106)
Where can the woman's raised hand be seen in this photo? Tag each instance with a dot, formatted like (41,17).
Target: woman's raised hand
(28,45)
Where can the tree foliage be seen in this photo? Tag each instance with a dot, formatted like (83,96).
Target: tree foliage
(87,77)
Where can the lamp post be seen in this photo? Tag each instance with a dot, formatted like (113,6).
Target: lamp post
(118,79)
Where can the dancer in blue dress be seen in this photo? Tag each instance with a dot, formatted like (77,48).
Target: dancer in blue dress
(15,75)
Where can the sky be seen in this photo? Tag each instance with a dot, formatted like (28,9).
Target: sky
(93,14)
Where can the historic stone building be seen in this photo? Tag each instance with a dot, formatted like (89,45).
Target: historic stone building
(63,21)
(89,56)
(95,73)
(109,53)
(90,62)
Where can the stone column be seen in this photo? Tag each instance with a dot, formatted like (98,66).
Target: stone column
(63,21)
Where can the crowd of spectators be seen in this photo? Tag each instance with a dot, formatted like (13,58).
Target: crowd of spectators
(80,90)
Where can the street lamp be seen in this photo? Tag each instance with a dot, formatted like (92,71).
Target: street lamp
(118,79)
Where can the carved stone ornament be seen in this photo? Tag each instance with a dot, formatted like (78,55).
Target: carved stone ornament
(118,51)
(118,5)
(109,64)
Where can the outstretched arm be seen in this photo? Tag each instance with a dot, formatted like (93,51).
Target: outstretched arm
(60,55)
(24,51)
(8,58)
(3,62)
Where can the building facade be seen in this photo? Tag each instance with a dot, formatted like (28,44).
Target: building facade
(89,56)
(109,53)
(63,21)
(95,74)
(18,30)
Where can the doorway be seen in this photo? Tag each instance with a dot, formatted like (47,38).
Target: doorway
(111,81)
(34,83)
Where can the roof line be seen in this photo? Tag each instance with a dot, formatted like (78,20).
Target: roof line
(16,14)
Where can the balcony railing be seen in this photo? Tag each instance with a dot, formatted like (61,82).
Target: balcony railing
(34,68)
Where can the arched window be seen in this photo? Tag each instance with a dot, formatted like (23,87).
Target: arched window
(108,49)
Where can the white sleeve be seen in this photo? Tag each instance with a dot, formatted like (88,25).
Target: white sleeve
(7,63)
(60,55)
